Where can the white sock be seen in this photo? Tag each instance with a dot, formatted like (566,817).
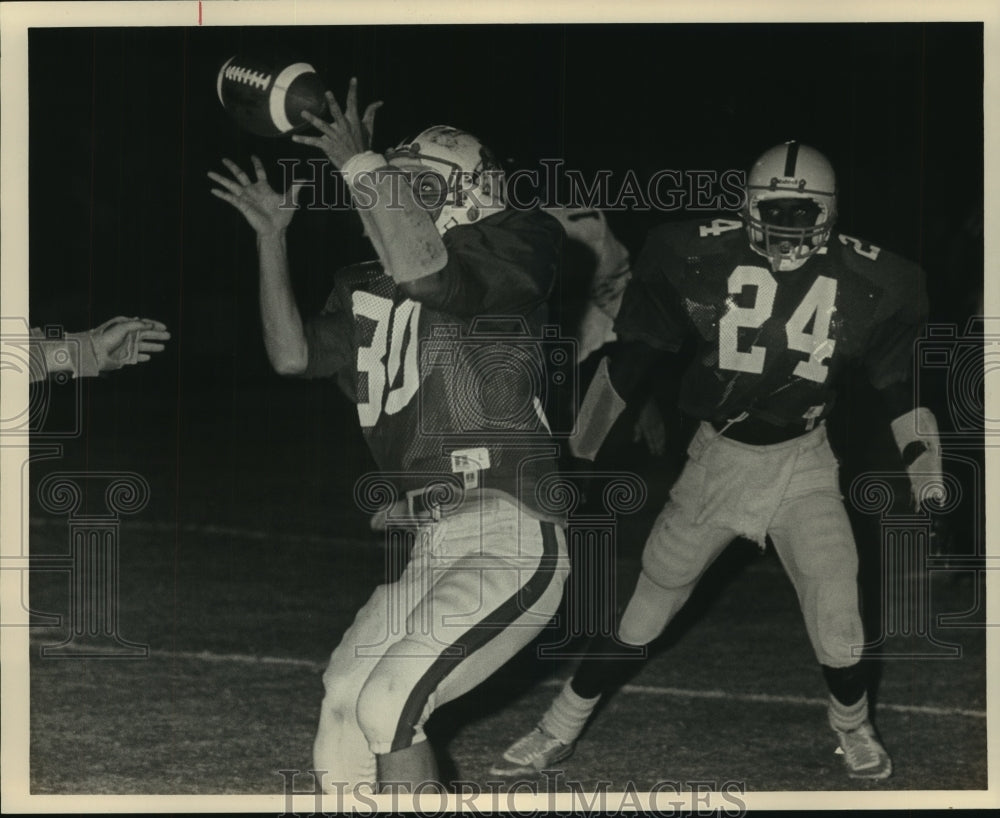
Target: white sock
(567,715)
(848,717)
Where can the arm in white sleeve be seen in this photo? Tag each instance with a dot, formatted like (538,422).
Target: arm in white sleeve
(401,231)
(74,353)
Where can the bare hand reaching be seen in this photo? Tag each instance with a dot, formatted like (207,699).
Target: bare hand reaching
(348,134)
(122,341)
(267,211)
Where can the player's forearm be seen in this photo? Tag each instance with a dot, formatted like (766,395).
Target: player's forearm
(493,269)
(463,287)
(402,233)
(284,338)
(74,353)
(919,442)
(51,355)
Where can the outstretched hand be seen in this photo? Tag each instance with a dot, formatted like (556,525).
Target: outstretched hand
(267,211)
(122,341)
(348,134)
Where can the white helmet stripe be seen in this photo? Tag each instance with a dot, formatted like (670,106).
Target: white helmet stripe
(276,101)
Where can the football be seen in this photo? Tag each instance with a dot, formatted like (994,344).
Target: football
(266,97)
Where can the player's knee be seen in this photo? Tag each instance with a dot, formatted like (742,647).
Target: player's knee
(838,628)
(383,713)
(670,571)
(639,631)
(650,609)
(339,702)
(841,640)
(376,717)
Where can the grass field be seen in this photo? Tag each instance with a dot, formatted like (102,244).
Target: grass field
(246,566)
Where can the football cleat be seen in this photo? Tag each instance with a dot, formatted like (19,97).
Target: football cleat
(531,754)
(864,755)
(790,172)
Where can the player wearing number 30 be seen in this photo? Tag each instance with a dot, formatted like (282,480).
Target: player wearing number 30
(774,321)
(460,438)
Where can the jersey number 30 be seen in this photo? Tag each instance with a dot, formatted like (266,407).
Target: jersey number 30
(394,325)
(817,306)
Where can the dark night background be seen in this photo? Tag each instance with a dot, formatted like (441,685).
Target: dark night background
(125,123)
(248,470)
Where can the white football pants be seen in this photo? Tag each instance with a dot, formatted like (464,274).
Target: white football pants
(727,489)
(479,586)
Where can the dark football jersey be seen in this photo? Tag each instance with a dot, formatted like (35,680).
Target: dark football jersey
(772,344)
(449,372)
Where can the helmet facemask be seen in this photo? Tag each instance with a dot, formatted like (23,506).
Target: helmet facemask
(454,176)
(785,175)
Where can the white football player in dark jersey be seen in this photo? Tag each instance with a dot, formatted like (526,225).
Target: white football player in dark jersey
(437,343)
(773,322)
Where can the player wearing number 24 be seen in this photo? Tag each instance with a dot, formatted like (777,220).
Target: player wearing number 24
(776,306)
(462,449)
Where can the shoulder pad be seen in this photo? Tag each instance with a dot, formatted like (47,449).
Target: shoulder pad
(876,263)
(586,224)
(517,222)
(700,237)
(900,280)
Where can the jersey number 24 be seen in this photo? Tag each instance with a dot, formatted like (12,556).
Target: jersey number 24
(816,307)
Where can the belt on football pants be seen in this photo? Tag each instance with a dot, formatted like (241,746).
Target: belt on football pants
(424,504)
(756,432)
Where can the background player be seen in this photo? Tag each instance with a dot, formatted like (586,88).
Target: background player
(116,343)
(600,270)
(775,321)
(487,570)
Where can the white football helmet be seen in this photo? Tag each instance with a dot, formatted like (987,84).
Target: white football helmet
(790,171)
(463,183)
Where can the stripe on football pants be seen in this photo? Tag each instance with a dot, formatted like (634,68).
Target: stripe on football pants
(477,637)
